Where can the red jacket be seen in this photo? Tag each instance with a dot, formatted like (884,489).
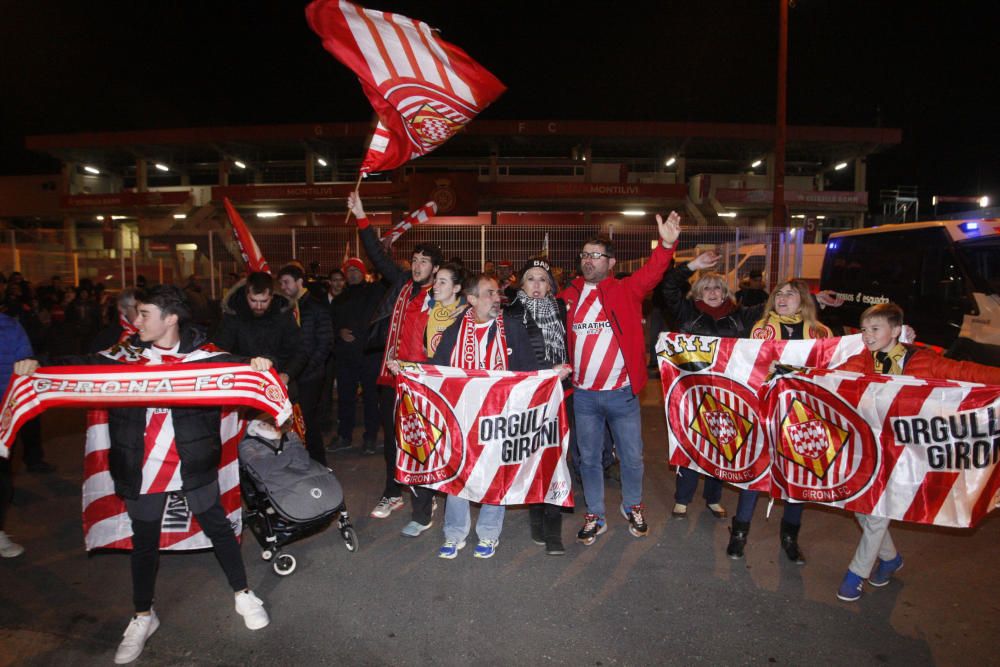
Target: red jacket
(622,301)
(923,363)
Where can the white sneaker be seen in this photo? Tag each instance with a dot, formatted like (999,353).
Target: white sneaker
(139,629)
(252,610)
(9,548)
(385,507)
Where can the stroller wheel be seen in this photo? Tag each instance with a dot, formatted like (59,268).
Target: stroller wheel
(267,554)
(284,565)
(350,538)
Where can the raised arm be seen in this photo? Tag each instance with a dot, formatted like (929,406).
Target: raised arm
(376,253)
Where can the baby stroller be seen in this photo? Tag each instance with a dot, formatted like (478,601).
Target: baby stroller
(288,496)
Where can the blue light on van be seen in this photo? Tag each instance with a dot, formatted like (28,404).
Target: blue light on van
(832,245)
(969,227)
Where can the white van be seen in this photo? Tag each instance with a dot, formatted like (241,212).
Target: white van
(945,275)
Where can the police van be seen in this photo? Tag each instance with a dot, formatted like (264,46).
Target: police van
(945,275)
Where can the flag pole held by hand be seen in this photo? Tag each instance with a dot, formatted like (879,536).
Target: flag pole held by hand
(357,185)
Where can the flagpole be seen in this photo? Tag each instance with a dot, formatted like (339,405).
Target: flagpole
(356,186)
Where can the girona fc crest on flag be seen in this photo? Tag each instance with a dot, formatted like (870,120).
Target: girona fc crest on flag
(495,437)
(809,440)
(423,89)
(722,426)
(416,436)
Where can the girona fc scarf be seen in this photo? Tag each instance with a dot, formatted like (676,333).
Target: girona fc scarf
(170,385)
(494,437)
(769,327)
(467,353)
(710,398)
(411,220)
(396,322)
(910,449)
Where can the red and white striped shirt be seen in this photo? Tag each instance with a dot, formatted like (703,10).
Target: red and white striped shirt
(598,364)
(161,466)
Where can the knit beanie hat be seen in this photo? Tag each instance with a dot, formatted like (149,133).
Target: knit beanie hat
(355,263)
(538,264)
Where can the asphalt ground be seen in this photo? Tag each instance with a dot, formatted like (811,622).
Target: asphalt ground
(672,597)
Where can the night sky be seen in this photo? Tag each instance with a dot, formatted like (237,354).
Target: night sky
(929,68)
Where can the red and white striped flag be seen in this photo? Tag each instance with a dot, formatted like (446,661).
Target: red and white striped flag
(410,220)
(495,437)
(710,390)
(423,89)
(910,449)
(106,524)
(249,249)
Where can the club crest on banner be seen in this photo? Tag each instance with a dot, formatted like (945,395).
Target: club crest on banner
(809,440)
(432,127)
(417,437)
(689,353)
(723,435)
(427,453)
(826,449)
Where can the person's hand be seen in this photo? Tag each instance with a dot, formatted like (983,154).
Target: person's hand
(908,334)
(346,335)
(828,297)
(354,205)
(25,367)
(706,260)
(564,370)
(669,229)
(284,378)
(261,364)
(392,366)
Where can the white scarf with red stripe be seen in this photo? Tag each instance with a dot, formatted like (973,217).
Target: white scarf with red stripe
(467,354)
(396,322)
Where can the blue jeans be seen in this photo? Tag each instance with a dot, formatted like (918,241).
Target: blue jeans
(748,501)
(619,410)
(458,519)
(687,484)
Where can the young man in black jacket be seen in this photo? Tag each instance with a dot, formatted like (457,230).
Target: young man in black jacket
(146,441)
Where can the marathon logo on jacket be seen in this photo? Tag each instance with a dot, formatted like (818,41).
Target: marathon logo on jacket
(496,437)
(924,451)
(710,399)
(598,364)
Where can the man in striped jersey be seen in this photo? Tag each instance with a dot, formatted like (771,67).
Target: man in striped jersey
(604,328)
(156,451)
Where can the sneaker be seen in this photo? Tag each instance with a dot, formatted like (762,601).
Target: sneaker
(385,507)
(413,529)
(252,610)
(139,629)
(885,570)
(450,549)
(851,587)
(486,548)
(593,526)
(636,522)
(9,548)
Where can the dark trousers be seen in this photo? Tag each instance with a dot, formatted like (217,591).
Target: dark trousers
(748,501)
(422,500)
(326,397)
(354,370)
(31,439)
(309,395)
(687,484)
(146,513)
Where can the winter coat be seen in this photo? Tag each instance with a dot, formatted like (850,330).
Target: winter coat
(274,335)
(519,353)
(316,339)
(689,319)
(923,363)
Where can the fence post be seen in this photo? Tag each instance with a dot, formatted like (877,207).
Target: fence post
(211,261)
(160,277)
(76,268)
(293,244)
(135,269)
(482,247)
(14,251)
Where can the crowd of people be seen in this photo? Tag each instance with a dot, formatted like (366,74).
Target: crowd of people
(345,335)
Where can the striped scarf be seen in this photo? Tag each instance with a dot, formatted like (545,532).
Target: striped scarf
(770,327)
(466,353)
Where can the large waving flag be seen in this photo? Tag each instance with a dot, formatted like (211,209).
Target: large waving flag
(249,249)
(495,437)
(423,89)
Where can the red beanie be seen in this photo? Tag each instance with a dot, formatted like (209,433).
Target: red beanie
(357,264)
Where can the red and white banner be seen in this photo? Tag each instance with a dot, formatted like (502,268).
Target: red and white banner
(495,437)
(106,524)
(423,89)
(710,398)
(411,220)
(249,249)
(168,385)
(924,451)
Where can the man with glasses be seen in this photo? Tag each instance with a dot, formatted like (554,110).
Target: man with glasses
(604,328)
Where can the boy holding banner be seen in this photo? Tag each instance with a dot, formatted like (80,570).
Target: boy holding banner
(881,327)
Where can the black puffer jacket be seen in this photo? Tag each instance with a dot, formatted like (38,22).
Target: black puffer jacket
(689,319)
(196,430)
(353,309)
(517,311)
(316,334)
(274,335)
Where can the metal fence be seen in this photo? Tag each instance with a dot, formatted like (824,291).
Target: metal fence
(213,256)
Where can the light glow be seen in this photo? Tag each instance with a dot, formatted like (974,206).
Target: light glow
(633,213)
(728,214)
(839,166)
(269,214)
(161,166)
(984,202)
(92,170)
(671,160)
(241,165)
(756,163)
(321,162)
(180,216)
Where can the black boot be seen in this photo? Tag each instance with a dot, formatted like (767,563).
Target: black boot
(535,516)
(790,543)
(737,539)
(553,533)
